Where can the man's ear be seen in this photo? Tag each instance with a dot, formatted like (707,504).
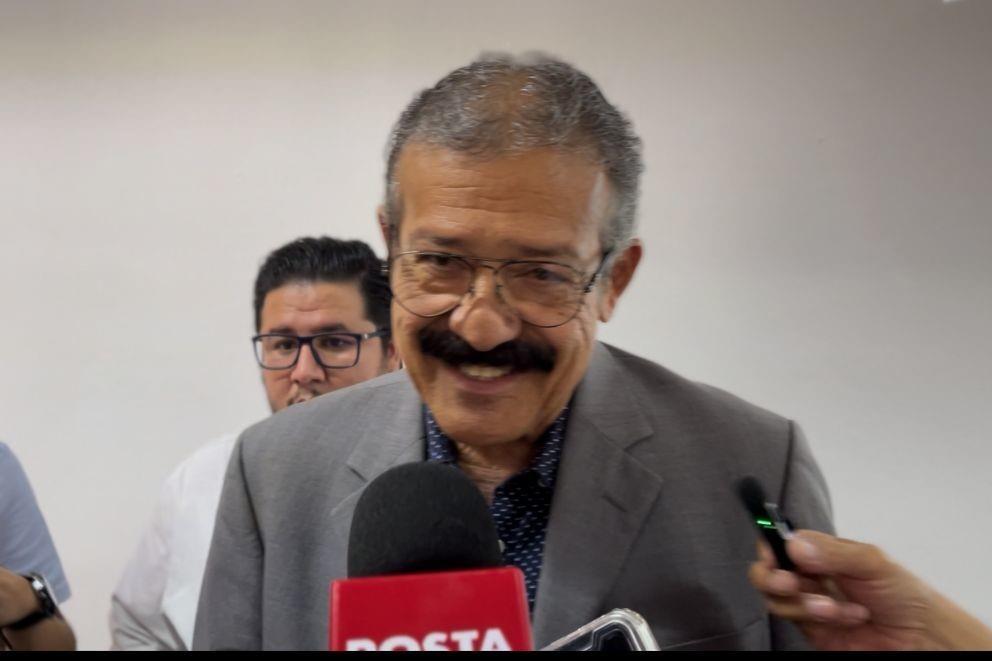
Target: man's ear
(620,275)
(380,214)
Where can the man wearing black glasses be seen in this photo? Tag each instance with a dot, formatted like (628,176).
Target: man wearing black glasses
(322,319)
(511,192)
(322,323)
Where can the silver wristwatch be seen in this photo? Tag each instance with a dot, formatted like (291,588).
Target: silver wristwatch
(46,601)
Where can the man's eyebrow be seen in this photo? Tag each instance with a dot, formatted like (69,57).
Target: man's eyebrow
(439,241)
(332,328)
(520,250)
(280,330)
(544,252)
(327,328)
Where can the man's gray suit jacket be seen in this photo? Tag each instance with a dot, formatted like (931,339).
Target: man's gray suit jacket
(645,514)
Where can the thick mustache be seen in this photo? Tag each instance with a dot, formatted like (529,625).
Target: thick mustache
(517,354)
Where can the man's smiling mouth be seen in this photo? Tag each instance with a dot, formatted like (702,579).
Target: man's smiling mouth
(484,372)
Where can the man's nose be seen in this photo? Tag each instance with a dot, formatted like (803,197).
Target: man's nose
(307,369)
(482,318)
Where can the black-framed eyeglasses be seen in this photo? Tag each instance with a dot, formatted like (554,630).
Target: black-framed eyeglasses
(281,351)
(541,293)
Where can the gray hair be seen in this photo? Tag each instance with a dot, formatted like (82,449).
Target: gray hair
(502,104)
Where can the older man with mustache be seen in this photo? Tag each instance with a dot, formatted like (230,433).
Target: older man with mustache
(511,192)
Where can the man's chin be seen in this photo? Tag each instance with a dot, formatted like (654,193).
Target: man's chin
(472,423)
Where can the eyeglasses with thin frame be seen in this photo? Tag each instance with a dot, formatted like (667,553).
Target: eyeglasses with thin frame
(542,293)
(337,350)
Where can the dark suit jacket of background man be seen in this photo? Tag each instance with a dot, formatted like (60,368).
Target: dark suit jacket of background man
(644,515)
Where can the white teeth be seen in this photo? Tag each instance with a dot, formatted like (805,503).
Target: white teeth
(484,372)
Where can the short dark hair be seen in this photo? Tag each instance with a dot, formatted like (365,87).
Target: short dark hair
(325,259)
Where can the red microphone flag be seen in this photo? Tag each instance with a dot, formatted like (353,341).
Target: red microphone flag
(474,610)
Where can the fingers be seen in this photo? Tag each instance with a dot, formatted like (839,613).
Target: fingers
(773,581)
(766,577)
(801,598)
(818,609)
(818,553)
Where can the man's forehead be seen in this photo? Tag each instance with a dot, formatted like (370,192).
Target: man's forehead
(313,306)
(537,170)
(557,192)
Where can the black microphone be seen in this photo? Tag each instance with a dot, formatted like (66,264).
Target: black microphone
(426,571)
(766,516)
(421,517)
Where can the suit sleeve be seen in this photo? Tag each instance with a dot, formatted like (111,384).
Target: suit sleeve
(805,500)
(229,614)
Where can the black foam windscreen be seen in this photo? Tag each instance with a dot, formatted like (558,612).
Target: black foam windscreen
(752,495)
(421,517)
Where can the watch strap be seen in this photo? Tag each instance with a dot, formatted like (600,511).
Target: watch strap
(46,602)
(29,621)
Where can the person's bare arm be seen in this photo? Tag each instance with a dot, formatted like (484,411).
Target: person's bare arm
(845,595)
(17,601)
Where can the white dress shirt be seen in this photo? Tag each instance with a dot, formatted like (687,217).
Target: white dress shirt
(154,605)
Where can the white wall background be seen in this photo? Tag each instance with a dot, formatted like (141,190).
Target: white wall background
(816,215)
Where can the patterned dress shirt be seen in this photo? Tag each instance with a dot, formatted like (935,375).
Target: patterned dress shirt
(521,504)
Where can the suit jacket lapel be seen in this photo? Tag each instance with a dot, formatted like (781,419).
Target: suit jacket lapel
(602,497)
(398,439)
(602,493)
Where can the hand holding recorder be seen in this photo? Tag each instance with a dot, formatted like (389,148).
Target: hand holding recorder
(846,595)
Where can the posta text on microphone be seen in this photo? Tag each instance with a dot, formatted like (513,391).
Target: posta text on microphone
(425,570)
(475,610)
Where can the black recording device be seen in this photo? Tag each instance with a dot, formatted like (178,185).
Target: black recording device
(774,527)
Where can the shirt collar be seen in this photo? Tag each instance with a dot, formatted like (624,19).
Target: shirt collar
(544,464)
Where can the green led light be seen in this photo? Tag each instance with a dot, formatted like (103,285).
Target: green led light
(765,522)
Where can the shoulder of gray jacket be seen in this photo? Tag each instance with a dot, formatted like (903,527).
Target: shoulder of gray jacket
(662,391)
(333,418)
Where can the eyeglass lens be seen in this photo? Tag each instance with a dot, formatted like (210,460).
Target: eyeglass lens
(541,293)
(330,350)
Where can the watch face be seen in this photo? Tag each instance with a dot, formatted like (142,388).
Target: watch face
(44,591)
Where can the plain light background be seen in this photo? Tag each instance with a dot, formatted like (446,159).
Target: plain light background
(815,214)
